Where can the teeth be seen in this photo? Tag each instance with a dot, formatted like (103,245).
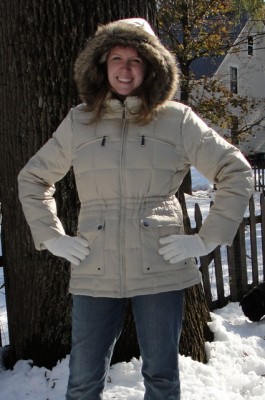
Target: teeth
(123,80)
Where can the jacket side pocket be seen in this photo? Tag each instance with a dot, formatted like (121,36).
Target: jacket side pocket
(93,230)
(152,228)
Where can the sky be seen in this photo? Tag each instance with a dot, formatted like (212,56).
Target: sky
(235,368)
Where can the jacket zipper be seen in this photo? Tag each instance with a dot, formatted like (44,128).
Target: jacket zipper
(122,203)
(156,139)
(103,142)
(99,139)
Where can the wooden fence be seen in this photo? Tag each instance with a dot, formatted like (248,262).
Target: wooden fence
(231,271)
(259,177)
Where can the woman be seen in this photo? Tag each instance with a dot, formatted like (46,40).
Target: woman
(130,147)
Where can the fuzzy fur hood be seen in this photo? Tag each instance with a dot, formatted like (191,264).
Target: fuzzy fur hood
(90,70)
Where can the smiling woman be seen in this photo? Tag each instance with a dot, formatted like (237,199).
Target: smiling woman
(125,69)
(130,147)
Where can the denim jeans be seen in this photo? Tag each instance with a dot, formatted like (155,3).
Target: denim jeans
(97,324)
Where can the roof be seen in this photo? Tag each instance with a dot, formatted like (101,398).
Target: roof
(207,66)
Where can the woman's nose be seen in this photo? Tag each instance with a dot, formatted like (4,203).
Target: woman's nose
(126,65)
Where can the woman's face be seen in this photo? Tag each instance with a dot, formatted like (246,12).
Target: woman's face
(125,70)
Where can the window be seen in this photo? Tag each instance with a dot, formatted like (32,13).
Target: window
(233,79)
(250,45)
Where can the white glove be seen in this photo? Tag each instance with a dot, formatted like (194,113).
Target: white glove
(180,247)
(72,248)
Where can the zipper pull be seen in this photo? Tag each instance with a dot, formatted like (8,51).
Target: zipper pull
(103,142)
(142,140)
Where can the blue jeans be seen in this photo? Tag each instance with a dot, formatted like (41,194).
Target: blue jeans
(97,324)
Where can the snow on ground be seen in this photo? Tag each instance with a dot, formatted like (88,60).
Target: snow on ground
(236,358)
(235,368)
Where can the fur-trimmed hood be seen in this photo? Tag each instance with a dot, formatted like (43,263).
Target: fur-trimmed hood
(90,66)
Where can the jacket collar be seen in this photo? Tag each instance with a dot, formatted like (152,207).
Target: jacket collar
(115,108)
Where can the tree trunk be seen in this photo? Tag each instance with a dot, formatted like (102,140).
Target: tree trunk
(39,41)
(195,330)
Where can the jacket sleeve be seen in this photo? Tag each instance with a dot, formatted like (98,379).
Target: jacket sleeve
(223,164)
(36,184)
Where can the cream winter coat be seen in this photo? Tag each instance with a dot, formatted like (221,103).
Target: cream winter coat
(127,176)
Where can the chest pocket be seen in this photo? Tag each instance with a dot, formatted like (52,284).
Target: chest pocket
(150,166)
(163,151)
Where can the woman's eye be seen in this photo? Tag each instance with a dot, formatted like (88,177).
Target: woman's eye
(137,61)
(133,61)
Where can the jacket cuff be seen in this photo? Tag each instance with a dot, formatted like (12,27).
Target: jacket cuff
(50,233)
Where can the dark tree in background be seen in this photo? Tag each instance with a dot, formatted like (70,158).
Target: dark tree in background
(39,42)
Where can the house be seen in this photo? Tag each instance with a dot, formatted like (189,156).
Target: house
(242,72)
